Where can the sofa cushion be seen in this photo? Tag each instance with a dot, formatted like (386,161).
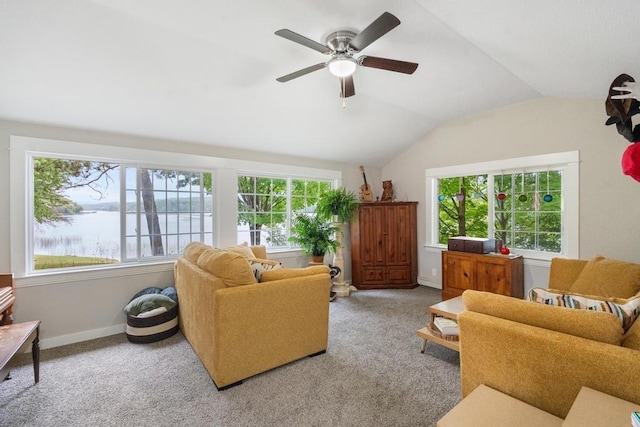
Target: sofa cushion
(288,273)
(564,272)
(193,251)
(259,266)
(231,268)
(595,326)
(627,310)
(608,278)
(242,249)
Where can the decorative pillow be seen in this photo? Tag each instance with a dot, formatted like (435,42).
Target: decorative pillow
(148,302)
(626,310)
(231,268)
(243,250)
(608,278)
(193,251)
(259,266)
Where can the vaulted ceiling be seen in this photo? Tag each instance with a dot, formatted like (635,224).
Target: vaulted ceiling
(205,71)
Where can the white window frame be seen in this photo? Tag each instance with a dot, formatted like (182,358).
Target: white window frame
(333,182)
(568,162)
(225,190)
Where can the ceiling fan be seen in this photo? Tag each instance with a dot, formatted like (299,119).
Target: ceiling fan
(342,45)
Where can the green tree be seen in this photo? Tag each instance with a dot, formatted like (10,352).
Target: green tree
(463,207)
(52,177)
(150,204)
(262,204)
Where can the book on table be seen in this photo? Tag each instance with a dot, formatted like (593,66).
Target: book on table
(446,326)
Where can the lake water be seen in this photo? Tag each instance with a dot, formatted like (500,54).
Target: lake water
(97,234)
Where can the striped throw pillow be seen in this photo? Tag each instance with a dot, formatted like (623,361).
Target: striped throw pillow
(627,310)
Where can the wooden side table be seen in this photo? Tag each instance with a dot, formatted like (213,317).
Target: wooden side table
(486,407)
(14,339)
(597,409)
(449,309)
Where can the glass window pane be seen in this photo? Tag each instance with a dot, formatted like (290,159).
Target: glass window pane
(75,213)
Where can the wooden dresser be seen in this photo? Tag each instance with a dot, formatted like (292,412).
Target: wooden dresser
(491,273)
(384,246)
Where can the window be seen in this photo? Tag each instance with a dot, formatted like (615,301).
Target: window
(533,209)
(79,207)
(266,206)
(196,198)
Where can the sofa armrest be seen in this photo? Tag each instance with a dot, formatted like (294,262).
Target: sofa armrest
(290,273)
(597,326)
(542,367)
(262,326)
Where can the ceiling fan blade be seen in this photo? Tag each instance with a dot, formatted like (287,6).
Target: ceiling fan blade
(378,28)
(388,64)
(347,88)
(302,72)
(295,37)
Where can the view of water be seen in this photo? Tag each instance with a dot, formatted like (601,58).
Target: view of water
(97,234)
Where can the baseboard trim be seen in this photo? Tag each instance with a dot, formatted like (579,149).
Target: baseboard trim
(424,282)
(82,336)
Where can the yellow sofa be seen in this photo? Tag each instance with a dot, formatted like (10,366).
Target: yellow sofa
(239,327)
(542,354)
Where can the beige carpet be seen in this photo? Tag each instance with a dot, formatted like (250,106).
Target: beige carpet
(373,374)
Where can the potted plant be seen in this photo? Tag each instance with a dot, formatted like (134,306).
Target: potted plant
(314,235)
(338,205)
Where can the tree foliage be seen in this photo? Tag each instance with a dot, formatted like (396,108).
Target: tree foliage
(463,208)
(523,218)
(52,177)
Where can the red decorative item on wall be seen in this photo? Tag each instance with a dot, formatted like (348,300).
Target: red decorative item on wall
(631,161)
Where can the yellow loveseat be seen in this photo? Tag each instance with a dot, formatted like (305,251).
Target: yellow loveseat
(239,327)
(542,354)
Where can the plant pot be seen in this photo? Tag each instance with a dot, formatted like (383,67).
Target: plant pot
(317,258)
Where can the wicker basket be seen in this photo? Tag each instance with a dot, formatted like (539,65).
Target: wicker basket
(435,331)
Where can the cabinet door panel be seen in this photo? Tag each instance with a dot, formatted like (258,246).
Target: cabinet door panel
(373,275)
(457,272)
(493,275)
(399,275)
(372,235)
(398,229)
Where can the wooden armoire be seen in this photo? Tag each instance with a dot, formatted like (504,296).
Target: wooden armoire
(384,246)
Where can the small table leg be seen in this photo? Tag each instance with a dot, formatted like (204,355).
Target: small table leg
(35,355)
(424,345)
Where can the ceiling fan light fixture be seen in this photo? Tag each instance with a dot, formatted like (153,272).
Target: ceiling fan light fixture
(342,66)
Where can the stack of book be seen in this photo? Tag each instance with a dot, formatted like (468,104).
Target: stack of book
(446,327)
(635,419)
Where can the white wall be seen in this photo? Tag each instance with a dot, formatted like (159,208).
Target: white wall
(609,200)
(78,307)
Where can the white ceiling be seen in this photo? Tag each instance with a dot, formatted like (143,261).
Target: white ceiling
(205,71)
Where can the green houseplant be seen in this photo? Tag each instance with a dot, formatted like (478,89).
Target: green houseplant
(337,204)
(314,235)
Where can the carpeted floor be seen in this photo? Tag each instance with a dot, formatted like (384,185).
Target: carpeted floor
(373,374)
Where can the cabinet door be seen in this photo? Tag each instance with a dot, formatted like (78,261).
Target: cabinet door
(372,235)
(457,273)
(493,274)
(397,234)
